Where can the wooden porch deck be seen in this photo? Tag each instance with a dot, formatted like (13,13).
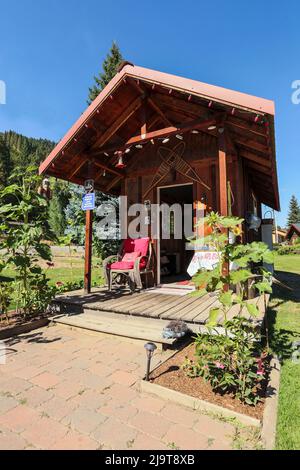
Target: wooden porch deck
(150,304)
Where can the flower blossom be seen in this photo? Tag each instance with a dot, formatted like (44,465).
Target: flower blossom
(219,365)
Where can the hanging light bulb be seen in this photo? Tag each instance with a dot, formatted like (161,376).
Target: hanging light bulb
(120,165)
(128,150)
(104,173)
(139,146)
(152,142)
(106,154)
(179,137)
(212,128)
(165,141)
(195,131)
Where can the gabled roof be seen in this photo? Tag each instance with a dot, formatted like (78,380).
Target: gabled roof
(113,118)
(294,228)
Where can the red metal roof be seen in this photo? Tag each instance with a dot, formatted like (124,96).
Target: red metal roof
(215,93)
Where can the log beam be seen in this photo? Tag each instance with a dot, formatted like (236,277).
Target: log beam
(161,133)
(129,111)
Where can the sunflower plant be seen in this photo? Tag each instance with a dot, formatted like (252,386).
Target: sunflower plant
(231,359)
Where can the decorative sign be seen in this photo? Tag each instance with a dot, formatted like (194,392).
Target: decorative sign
(172,159)
(207,260)
(89,186)
(88,202)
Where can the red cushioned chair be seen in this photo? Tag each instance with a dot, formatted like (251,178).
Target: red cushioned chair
(135,258)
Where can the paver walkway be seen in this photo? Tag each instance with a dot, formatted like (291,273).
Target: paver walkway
(70,389)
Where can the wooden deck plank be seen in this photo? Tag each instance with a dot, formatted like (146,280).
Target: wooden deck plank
(178,312)
(164,300)
(149,306)
(131,298)
(203,317)
(196,315)
(118,303)
(134,306)
(178,302)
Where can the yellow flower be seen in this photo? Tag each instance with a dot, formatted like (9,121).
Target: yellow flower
(237,231)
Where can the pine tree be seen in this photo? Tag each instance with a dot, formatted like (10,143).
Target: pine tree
(110,66)
(57,206)
(4,163)
(294,212)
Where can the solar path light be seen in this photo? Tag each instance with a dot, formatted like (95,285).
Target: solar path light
(150,349)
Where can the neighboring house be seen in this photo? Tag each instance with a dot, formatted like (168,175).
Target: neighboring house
(155,137)
(279,236)
(293,233)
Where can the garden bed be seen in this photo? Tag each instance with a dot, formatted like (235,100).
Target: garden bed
(171,376)
(17,325)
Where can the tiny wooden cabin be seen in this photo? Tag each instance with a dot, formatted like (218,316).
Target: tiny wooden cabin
(223,141)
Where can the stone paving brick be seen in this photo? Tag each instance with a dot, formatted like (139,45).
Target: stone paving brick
(79,363)
(185,438)
(180,415)
(213,428)
(150,424)
(214,444)
(90,380)
(125,378)
(122,412)
(148,403)
(100,369)
(19,418)
(75,441)
(44,432)
(121,393)
(84,420)
(68,389)
(45,380)
(7,403)
(146,442)
(91,399)
(35,396)
(115,435)
(56,408)
(15,385)
(11,441)
(28,372)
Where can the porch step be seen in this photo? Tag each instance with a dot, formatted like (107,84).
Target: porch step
(172,289)
(119,325)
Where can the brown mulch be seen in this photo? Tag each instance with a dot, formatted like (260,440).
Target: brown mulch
(170,375)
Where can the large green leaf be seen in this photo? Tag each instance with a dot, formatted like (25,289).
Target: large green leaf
(226,299)
(241,275)
(213,317)
(264,286)
(252,309)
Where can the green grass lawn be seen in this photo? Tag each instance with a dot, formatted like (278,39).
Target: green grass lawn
(64,272)
(284,314)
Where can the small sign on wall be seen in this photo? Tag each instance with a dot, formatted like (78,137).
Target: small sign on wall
(88,202)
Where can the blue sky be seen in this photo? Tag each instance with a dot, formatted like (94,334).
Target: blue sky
(50,50)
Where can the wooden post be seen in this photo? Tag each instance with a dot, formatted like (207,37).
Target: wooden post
(88,241)
(88,252)
(223,176)
(223,190)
